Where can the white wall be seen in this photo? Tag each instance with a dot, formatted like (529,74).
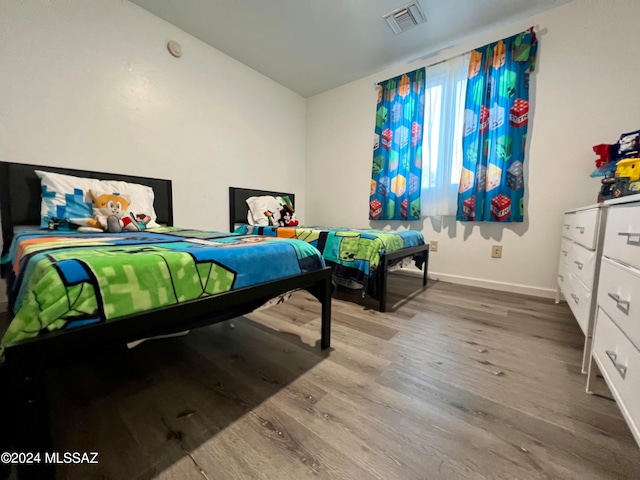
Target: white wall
(91,85)
(584,93)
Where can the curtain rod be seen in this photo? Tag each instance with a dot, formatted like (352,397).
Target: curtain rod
(425,57)
(375,84)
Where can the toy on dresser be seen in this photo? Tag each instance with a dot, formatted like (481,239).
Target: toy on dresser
(620,166)
(627,177)
(624,181)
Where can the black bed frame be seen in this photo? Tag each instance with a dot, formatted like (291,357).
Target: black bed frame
(238,209)
(23,374)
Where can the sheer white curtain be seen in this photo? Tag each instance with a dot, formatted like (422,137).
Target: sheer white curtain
(446,84)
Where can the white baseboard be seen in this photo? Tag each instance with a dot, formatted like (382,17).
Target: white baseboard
(484,283)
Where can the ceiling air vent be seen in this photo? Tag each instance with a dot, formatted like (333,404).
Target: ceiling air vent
(406,17)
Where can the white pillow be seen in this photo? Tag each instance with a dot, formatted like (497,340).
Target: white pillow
(263,211)
(268,210)
(66,197)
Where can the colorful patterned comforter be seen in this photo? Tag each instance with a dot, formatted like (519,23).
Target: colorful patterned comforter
(63,280)
(353,254)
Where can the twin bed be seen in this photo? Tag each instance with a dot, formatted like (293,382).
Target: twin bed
(357,257)
(71,293)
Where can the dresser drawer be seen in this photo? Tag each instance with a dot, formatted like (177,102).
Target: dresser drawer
(579,300)
(582,264)
(622,236)
(562,275)
(619,297)
(565,250)
(619,362)
(585,227)
(567,224)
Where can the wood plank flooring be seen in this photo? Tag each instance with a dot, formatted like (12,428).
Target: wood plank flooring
(454,383)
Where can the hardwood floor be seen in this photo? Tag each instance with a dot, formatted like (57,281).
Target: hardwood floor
(454,383)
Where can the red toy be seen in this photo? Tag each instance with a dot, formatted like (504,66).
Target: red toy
(604,152)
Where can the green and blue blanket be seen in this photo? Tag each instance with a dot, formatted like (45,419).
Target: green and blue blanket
(353,254)
(63,280)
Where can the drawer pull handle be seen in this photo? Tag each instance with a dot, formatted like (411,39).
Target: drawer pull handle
(561,277)
(629,239)
(622,369)
(623,305)
(575,298)
(567,226)
(581,229)
(579,264)
(565,252)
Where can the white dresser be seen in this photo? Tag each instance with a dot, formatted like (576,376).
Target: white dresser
(580,252)
(616,337)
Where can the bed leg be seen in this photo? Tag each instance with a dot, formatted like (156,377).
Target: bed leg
(382,286)
(325,339)
(425,267)
(322,291)
(31,423)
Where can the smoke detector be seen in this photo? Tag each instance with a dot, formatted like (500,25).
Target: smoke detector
(405,18)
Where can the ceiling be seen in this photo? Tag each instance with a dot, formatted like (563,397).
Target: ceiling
(311,46)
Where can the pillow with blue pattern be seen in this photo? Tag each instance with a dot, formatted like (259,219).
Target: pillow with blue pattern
(66,201)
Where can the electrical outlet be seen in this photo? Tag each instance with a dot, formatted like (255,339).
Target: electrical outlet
(496,251)
(433,245)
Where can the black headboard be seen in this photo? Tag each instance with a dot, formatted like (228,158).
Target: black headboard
(20,194)
(238,207)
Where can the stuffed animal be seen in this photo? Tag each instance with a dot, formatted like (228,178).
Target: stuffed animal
(111,211)
(142,219)
(286,217)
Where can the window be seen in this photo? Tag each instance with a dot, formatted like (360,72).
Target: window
(446,85)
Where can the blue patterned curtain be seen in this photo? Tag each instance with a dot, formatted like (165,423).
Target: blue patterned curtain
(397,149)
(495,130)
